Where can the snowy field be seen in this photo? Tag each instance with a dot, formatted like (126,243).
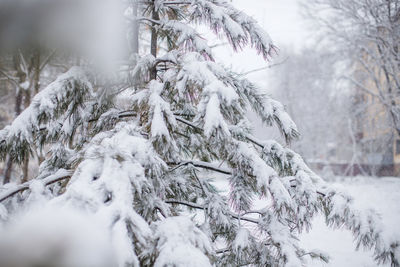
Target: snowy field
(381,194)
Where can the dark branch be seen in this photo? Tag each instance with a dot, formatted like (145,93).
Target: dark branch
(197,206)
(58,176)
(200,164)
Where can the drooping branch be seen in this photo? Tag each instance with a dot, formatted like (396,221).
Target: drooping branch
(197,206)
(65,174)
(200,164)
(249,137)
(189,123)
(61,174)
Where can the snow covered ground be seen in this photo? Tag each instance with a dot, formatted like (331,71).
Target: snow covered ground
(381,194)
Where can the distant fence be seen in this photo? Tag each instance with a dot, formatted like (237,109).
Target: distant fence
(357,169)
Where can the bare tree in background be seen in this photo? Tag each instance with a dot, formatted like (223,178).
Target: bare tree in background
(21,70)
(307,83)
(24,75)
(365,34)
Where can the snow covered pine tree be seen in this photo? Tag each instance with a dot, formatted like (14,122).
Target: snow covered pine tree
(147,171)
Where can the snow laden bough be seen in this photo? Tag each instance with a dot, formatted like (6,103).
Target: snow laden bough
(146,172)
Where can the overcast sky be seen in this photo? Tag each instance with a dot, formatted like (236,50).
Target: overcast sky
(280,18)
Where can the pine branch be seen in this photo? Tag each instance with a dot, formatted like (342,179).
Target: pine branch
(259,143)
(248,137)
(153,21)
(167,3)
(189,123)
(64,174)
(61,174)
(223,250)
(200,164)
(197,206)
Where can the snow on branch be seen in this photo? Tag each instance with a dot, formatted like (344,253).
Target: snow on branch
(58,176)
(239,28)
(267,108)
(366,227)
(234,93)
(337,206)
(157,117)
(215,101)
(201,164)
(117,166)
(64,98)
(197,206)
(279,236)
(187,37)
(218,93)
(283,241)
(304,187)
(62,174)
(181,243)
(142,67)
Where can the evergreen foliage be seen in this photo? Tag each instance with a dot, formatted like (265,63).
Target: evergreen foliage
(145,170)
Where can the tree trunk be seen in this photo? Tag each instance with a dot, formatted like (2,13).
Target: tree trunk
(25,164)
(22,96)
(153,45)
(36,77)
(135,41)
(7,171)
(36,87)
(17,110)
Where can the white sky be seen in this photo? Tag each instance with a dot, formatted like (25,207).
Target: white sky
(280,18)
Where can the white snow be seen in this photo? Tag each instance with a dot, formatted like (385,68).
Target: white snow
(181,243)
(46,236)
(123,246)
(159,109)
(188,37)
(382,194)
(46,104)
(206,74)
(242,239)
(213,118)
(104,184)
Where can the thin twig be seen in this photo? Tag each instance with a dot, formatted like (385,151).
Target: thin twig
(11,79)
(264,68)
(197,206)
(200,164)
(46,60)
